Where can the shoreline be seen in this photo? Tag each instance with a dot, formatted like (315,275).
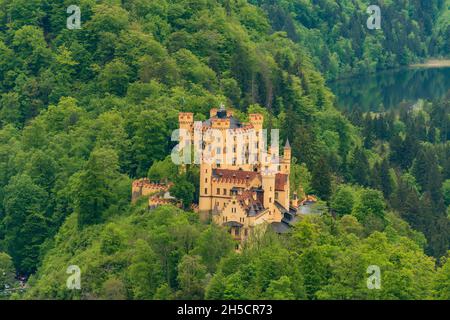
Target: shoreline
(433,63)
(428,64)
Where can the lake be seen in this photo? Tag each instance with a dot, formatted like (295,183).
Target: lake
(385,90)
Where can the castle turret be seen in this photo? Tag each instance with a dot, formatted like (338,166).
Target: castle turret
(205,197)
(268,185)
(285,165)
(186,121)
(256,120)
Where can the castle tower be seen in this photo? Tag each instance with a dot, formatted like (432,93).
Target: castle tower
(186,121)
(256,120)
(286,161)
(257,139)
(268,185)
(205,197)
(186,126)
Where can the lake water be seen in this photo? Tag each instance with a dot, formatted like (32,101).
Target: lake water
(385,90)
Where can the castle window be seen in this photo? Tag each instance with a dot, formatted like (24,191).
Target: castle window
(206,180)
(218,150)
(236,232)
(270,200)
(206,190)
(246,232)
(218,190)
(276,195)
(224,192)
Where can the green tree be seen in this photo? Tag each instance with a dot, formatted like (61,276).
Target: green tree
(446,191)
(360,167)
(183,190)
(95,187)
(164,170)
(24,223)
(7,271)
(343,200)
(191,276)
(145,272)
(321,179)
(113,289)
(369,209)
(280,289)
(114,78)
(442,281)
(213,244)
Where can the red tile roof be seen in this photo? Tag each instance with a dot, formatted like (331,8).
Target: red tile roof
(238,176)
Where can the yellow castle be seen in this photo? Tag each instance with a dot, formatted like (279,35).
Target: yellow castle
(242,194)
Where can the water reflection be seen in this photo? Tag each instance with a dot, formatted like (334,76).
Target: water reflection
(385,90)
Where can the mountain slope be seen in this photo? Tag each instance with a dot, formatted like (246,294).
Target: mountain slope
(336,34)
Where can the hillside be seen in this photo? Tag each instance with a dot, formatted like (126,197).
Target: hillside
(83,112)
(336,36)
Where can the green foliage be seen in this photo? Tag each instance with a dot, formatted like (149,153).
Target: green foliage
(321,179)
(442,282)
(335,32)
(343,200)
(164,170)
(82,112)
(369,209)
(446,191)
(183,190)
(95,187)
(213,244)
(7,272)
(191,277)
(25,225)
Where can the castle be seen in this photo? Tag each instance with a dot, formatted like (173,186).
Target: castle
(241,184)
(242,194)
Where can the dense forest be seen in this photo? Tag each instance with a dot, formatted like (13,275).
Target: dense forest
(335,32)
(83,112)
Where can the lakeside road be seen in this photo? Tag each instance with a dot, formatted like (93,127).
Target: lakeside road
(433,63)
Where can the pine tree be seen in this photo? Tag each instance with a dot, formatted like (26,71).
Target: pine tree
(359,167)
(386,182)
(321,179)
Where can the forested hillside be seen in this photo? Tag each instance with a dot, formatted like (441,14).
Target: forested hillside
(336,35)
(82,112)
